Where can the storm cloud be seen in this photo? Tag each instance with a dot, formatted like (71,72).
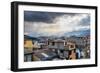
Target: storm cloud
(54,23)
(46,17)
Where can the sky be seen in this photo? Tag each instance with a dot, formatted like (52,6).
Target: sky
(55,23)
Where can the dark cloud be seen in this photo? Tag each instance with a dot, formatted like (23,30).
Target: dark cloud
(40,16)
(46,17)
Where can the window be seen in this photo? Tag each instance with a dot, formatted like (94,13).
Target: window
(65,43)
(70,52)
(53,43)
(48,43)
(61,51)
(71,46)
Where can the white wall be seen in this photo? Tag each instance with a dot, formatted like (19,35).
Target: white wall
(5,35)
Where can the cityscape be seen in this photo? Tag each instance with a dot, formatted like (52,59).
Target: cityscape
(51,36)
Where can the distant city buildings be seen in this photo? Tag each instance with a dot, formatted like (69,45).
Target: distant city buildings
(48,48)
